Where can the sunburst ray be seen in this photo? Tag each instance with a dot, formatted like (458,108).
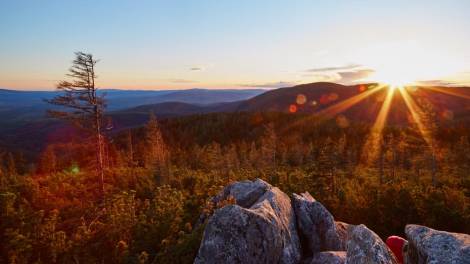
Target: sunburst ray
(417,115)
(447,91)
(373,142)
(333,110)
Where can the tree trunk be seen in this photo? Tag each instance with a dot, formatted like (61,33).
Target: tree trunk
(99,151)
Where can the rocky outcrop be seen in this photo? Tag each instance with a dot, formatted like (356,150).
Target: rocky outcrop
(258,223)
(426,245)
(329,257)
(364,246)
(245,193)
(342,230)
(317,227)
(260,228)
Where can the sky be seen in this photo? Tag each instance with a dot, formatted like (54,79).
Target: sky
(235,44)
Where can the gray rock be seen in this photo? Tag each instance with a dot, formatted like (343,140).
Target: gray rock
(426,245)
(364,246)
(342,230)
(246,193)
(317,228)
(262,232)
(329,257)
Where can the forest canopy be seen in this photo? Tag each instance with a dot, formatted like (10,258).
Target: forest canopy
(159,179)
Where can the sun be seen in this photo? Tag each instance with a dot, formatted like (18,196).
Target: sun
(393,87)
(395,77)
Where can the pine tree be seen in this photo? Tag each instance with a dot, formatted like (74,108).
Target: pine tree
(268,146)
(231,158)
(462,157)
(85,107)
(11,169)
(156,150)
(328,164)
(431,125)
(3,178)
(48,161)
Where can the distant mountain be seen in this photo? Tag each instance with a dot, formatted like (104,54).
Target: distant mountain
(324,98)
(20,107)
(316,98)
(23,122)
(122,99)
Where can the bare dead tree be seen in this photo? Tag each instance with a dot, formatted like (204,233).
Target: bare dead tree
(80,104)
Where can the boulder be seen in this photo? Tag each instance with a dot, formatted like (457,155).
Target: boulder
(426,245)
(258,230)
(329,257)
(342,230)
(245,193)
(316,226)
(364,246)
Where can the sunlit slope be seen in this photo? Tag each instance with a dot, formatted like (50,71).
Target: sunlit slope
(360,102)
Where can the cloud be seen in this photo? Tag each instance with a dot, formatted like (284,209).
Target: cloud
(322,77)
(348,77)
(270,85)
(338,68)
(437,83)
(196,69)
(181,81)
(344,77)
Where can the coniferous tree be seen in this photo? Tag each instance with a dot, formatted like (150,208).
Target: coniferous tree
(81,104)
(3,178)
(268,146)
(156,150)
(462,157)
(430,120)
(48,161)
(11,169)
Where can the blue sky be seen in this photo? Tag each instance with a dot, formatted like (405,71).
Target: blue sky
(227,44)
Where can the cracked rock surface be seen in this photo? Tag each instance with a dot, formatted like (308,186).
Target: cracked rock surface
(426,245)
(317,227)
(266,226)
(263,231)
(364,246)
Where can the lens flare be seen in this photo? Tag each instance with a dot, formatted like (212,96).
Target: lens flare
(372,146)
(416,114)
(373,143)
(335,109)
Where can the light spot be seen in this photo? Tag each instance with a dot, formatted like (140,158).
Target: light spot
(74,169)
(333,97)
(301,99)
(292,108)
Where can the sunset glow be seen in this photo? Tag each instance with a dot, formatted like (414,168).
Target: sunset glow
(373,142)
(237,45)
(202,131)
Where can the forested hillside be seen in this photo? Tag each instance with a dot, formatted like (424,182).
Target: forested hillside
(158,179)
